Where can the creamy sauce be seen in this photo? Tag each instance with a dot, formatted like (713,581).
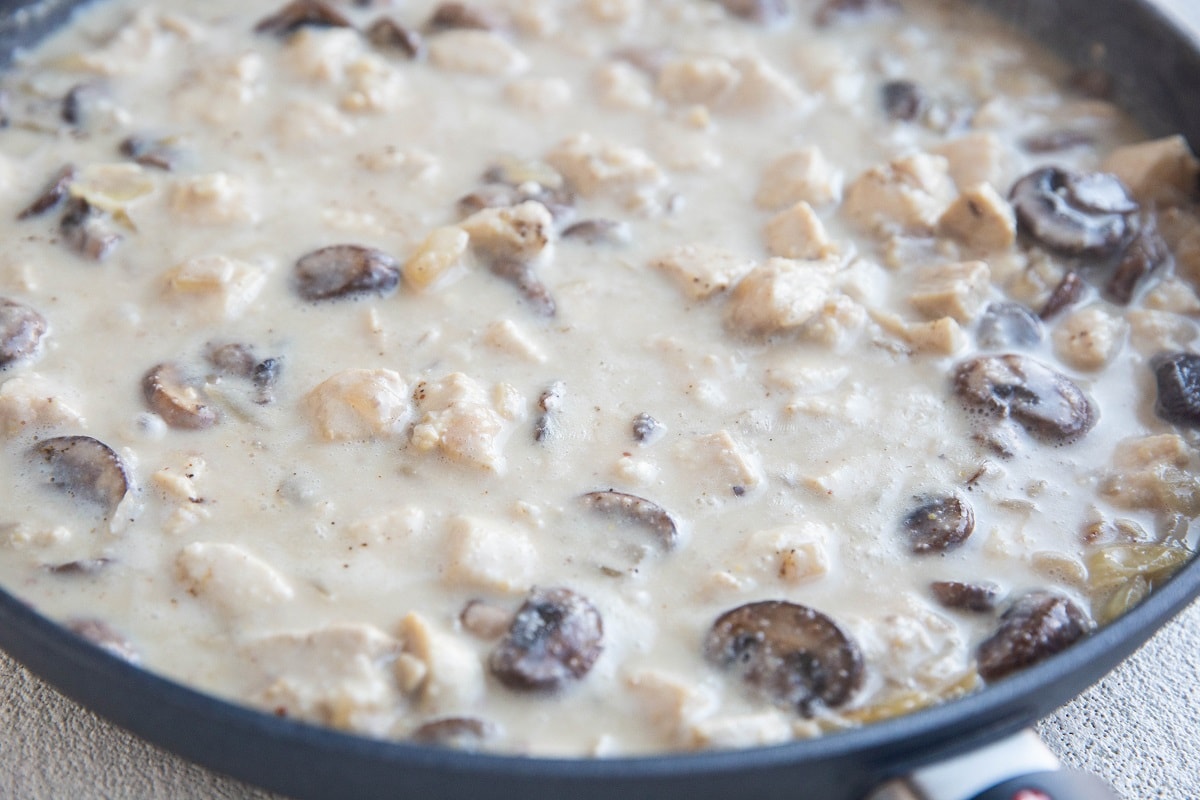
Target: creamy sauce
(311,548)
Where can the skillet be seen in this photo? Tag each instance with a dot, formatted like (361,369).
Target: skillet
(1154,65)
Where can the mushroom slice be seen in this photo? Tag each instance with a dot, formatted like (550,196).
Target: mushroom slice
(342,270)
(84,566)
(464,16)
(177,399)
(156,153)
(1045,403)
(1035,627)
(1065,294)
(903,100)
(21,331)
(1073,213)
(87,230)
(1006,325)
(793,656)
(104,636)
(555,638)
(961,596)
(1145,254)
(599,231)
(53,195)
(646,429)
(1177,376)
(460,733)
(299,14)
(387,34)
(522,275)
(762,12)
(550,404)
(939,524)
(638,510)
(86,469)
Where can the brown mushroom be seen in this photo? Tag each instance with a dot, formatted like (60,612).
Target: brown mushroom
(1067,293)
(156,153)
(177,398)
(86,469)
(939,524)
(88,231)
(79,101)
(761,12)
(344,270)
(599,231)
(791,655)
(1045,403)
(104,636)
(646,429)
(550,404)
(961,596)
(903,100)
(1147,253)
(53,195)
(387,34)
(464,16)
(1177,379)
(522,275)
(21,331)
(1073,213)
(1035,627)
(555,638)
(460,733)
(299,14)
(1005,325)
(83,566)
(638,511)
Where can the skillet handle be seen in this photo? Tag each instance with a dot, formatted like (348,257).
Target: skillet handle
(1017,768)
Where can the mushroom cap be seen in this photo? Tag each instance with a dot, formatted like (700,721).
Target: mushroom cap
(1073,213)
(1036,626)
(1045,403)
(555,638)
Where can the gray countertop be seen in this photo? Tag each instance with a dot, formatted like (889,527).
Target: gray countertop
(1139,728)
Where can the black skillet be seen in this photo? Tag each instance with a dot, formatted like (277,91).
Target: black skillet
(1156,67)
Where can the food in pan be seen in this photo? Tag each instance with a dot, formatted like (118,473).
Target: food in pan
(591,377)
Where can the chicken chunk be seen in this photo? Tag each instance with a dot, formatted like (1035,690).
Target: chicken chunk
(457,417)
(230,579)
(907,195)
(490,555)
(359,404)
(702,270)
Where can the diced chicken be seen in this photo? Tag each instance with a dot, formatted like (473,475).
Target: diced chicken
(800,175)
(539,94)
(1161,172)
(781,295)
(942,336)
(908,194)
(519,232)
(322,54)
(798,232)
(914,647)
(959,291)
(373,86)
(806,379)
(973,159)
(359,404)
(339,676)
(1152,473)
(980,220)
(476,52)
(719,466)
(436,258)
(409,165)
(702,270)
(229,578)
(222,286)
(32,401)
(490,555)
(458,418)
(1090,337)
(614,12)
(405,524)
(1153,332)
(670,702)
(214,198)
(223,90)
(703,80)
(622,86)
(307,125)
(684,149)
(508,337)
(1174,295)
(792,554)
(452,679)
(594,166)
(740,731)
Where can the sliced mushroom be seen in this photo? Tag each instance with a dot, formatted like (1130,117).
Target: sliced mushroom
(1035,627)
(1067,293)
(960,596)
(939,524)
(903,100)
(834,11)
(646,429)
(649,60)
(1147,253)
(1177,376)
(21,331)
(496,194)
(1004,325)
(599,231)
(762,12)
(522,275)
(232,359)
(84,566)
(639,511)
(176,398)
(343,270)
(88,231)
(550,404)
(555,638)
(86,469)
(460,733)
(53,195)
(1056,141)
(464,16)
(156,153)
(105,636)
(791,655)
(79,101)
(299,14)
(1073,213)
(1045,403)
(387,34)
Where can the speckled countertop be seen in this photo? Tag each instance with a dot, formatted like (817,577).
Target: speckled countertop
(1139,728)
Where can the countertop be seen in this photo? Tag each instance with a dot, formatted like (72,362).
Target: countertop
(1139,728)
